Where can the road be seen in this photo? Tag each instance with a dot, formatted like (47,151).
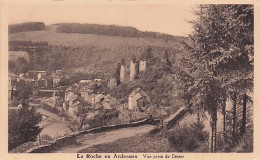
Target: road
(53,125)
(89,140)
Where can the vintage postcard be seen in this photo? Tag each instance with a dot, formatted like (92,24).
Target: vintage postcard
(111,79)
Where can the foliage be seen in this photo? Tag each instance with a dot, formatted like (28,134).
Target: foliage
(117,72)
(22,126)
(19,66)
(108,117)
(217,51)
(238,143)
(26,44)
(182,140)
(219,59)
(92,59)
(23,90)
(122,91)
(28,26)
(77,76)
(111,30)
(155,81)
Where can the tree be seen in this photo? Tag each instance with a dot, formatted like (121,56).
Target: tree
(219,59)
(148,55)
(23,90)
(22,65)
(22,126)
(11,66)
(117,72)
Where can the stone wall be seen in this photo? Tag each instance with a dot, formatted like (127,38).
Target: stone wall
(70,139)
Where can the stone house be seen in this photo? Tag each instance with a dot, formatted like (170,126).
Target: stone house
(98,82)
(112,83)
(56,78)
(84,83)
(74,104)
(138,100)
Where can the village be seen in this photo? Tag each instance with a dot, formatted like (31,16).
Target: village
(81,105)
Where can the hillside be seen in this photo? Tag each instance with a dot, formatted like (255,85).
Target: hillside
(53,37)
(95,52)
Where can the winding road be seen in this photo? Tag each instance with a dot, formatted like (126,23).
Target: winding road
(89,140)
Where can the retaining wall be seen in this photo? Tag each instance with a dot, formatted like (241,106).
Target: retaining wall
(71,138)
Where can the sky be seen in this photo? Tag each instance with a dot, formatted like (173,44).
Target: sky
(145,15)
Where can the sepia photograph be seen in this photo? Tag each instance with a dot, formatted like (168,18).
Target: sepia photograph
(130,77)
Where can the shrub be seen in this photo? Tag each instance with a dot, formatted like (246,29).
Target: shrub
(188,137)
(22,126)
(108,117)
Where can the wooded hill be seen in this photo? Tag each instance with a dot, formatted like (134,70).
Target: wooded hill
(50,50)
(112,30)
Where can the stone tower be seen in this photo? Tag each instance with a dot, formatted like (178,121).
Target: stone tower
(142,65)
(122,73)
(132,70)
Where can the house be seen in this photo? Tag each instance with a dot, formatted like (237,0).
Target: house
(42,83)
(38,78)
(74,104)
(42,75)
(111,100)
(56,81)
(83,83)
(93,98)
(59,72)
(89,98)
(98,82)
(99,98)
(56,77)
(52,101)
(112,83)
(37,74)
(21,77)
(106,105)
(138,100)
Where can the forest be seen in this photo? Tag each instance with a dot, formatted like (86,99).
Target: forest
(112,30)
(28,26)
(44,56)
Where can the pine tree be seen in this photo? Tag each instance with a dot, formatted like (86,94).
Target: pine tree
(219,59)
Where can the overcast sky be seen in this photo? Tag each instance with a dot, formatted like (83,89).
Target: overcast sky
(164,17)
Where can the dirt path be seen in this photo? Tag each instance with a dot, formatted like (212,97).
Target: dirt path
(89,140)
